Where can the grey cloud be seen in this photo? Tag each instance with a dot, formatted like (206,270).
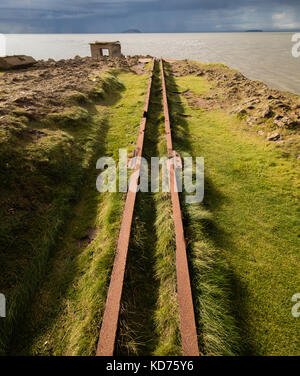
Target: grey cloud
(147,15)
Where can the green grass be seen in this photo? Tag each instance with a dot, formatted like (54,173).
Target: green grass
(210,275)
(198,85)
(166,314)
(66,312)
(242,241)
(40,179)
(252,194)
(149,319)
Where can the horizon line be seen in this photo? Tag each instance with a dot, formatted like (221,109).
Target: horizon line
(163,32)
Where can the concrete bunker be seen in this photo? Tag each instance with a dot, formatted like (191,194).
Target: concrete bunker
(105,49)
(16,61)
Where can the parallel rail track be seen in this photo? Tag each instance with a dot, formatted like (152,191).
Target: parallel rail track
(110,319)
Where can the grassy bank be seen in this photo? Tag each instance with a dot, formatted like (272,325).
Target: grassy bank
(66,312)
(252,195)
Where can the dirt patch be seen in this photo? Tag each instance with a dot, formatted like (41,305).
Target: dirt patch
(196,101)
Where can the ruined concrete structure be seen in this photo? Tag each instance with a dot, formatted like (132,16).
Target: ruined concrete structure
(16,61)
(102,49)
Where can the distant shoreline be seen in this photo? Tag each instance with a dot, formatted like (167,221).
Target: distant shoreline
(163,32)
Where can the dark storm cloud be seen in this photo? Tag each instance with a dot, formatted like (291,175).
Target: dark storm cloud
(147,15)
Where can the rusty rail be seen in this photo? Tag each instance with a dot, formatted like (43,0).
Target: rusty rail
(110,319)
(184,292)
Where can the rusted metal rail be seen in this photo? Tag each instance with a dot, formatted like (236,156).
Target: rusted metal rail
(184,292)
(110,319)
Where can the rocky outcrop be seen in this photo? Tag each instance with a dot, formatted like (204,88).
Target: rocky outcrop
(266,111)
(51,85)
(246,97)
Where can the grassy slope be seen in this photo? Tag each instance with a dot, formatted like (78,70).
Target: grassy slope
(39,182)
(66,313)
(252,190)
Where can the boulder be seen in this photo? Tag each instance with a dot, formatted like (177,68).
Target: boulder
(16,61)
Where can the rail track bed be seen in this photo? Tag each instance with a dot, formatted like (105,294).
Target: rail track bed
(110,321)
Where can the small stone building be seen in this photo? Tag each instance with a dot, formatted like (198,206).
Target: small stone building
(105,49)
(16,61)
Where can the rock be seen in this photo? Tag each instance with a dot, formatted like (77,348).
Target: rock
(239,111)
(278,117)
(252,120)
(273,95)
(285,122)
(280,104)
(273,136)
(16,61)
(233,90)
(252,101)
(265,111)
(238,77)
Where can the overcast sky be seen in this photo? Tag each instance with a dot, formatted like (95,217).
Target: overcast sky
(100,16)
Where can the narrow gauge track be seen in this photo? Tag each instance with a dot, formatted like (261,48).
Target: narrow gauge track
(109,325)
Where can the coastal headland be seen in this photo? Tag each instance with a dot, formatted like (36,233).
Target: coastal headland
(58,234)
